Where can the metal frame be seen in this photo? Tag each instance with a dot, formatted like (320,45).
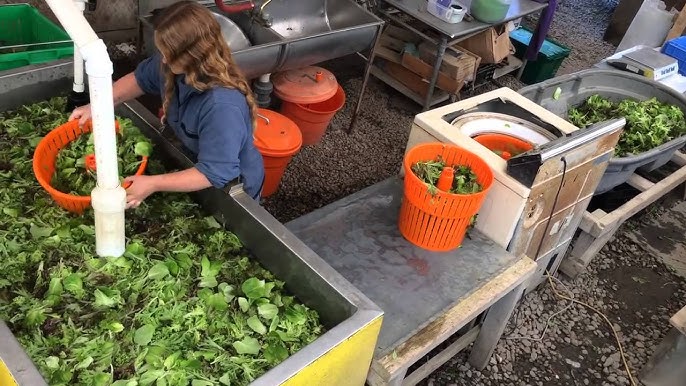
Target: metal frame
(442,43)
(343,308)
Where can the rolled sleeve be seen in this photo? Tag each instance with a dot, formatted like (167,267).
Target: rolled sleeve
(148,75)
(220,143)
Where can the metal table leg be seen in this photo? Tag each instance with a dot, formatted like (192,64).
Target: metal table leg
(367,70)
(440,51)
(493,327)
(521,69)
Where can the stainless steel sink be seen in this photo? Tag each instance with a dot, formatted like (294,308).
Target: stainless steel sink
(232,33)
(296,19)
(301,33)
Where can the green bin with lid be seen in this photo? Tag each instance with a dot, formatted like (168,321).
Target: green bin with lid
(549,60)
(28,37)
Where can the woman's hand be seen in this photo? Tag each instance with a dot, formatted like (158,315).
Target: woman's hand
(141,187)
(82,113)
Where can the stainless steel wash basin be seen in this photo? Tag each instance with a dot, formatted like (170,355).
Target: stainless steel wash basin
(295,19)
(232,33)
(299,33)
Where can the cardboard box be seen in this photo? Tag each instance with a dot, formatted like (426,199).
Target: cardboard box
(408,78)
(492,45)
(425,70)
(458,63)
(409,69)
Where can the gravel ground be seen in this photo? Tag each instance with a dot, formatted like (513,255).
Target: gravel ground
(626,281)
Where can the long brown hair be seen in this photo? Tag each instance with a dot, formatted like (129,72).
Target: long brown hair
(190,40)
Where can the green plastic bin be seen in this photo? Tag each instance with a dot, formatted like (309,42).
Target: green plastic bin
(28,37)
(549,58)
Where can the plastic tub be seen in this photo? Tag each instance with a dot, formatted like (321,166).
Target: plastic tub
(614,85)
(439,221)
(549,59)
(505,146)
(45,157)
(28,37)
(314,118)
(490,11)
(278,139)
(676,48)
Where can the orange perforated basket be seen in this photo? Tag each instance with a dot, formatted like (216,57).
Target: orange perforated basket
(45,157)
(438,221)
(504,145)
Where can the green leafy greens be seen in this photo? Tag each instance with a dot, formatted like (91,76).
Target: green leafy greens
(185,305)
(464,182)
(649,123)
(74,177)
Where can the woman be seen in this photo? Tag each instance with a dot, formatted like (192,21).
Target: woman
(206,101)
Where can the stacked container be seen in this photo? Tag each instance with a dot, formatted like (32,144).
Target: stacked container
(311,97)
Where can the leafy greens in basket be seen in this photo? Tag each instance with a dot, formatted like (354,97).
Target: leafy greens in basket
(649,123)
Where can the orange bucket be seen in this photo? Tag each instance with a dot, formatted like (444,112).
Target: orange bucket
(314,118)
(277,138)
(504,145)
(45,157)
(438,222)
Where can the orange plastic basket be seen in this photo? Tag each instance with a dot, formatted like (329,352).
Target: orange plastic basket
(438,221)
(45,157)
(506,145)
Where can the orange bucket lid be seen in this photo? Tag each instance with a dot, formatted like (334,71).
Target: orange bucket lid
(276,135)
(305,85)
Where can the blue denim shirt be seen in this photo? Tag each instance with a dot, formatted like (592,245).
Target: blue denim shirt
(214,124)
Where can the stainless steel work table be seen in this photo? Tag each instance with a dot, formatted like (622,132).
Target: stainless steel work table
(449,34)
(426,297)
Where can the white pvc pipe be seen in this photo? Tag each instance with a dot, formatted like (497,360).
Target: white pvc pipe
(78,59)
(108,198)
(264,78)
(73,22)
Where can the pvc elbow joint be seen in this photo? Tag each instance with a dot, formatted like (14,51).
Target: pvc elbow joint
(97,59)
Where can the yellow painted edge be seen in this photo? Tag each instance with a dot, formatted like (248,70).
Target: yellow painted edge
(6,377)
(347,364)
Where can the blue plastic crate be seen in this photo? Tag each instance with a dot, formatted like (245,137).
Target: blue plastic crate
(676,48)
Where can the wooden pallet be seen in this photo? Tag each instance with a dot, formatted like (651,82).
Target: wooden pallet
(598,227)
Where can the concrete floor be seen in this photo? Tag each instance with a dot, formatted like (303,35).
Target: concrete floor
(665,236)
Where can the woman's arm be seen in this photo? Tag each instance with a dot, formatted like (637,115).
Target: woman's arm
(125,89)
(189,180)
